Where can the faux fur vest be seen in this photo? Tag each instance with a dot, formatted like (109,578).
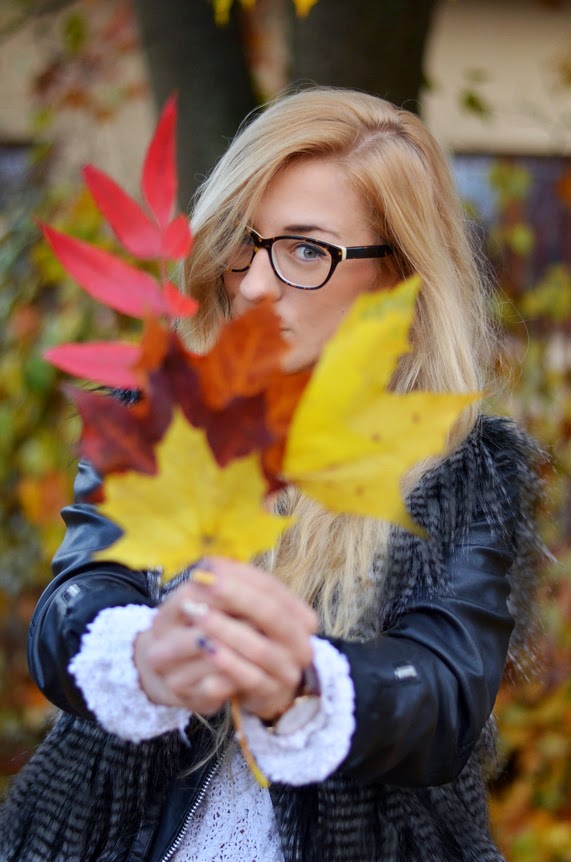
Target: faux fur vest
(84,793)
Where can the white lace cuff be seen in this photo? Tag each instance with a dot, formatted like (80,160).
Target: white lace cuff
(105,672)
(316,750)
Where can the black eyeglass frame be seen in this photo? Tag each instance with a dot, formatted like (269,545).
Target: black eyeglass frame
(338,253)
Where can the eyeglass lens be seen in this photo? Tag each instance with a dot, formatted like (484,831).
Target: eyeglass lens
(298,261)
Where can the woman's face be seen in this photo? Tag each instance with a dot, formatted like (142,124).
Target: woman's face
(311,198)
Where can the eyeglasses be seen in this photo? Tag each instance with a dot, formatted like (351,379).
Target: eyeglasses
(298,260)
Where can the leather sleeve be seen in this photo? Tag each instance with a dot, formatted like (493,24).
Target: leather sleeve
(79,590)
(426,686)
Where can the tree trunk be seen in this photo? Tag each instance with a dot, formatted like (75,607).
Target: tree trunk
(372,45)
(187,53)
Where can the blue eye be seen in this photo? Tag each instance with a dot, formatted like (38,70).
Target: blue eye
(308,252)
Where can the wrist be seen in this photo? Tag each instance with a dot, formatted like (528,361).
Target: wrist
(303,706)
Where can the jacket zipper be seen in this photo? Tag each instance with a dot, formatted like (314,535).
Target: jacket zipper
(191,812)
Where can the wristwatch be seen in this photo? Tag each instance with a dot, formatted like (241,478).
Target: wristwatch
(301,710)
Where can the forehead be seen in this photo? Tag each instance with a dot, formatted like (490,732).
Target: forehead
(311,193)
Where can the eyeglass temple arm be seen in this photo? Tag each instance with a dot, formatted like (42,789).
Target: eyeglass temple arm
(364,251)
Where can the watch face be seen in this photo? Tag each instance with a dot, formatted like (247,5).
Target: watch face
(298,715)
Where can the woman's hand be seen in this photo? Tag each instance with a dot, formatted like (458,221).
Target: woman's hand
(244,636)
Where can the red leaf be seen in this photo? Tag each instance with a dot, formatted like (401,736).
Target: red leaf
(159,178)
(131,225)
(178,305)
(106,277)
(104,362)
(177,239)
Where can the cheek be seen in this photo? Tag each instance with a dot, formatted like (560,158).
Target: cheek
(320,321)
(231,292)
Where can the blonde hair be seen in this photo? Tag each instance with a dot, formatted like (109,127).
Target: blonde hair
(402,175)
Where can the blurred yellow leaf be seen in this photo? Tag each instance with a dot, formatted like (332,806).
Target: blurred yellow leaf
(520,238)
(304,7)
(43,498)
(222,9)
(351,441)
(511,182)
(191,508)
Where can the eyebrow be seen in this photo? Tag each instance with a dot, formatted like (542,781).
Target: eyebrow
(308,228)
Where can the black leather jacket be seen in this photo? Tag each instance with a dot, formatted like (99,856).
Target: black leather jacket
(413,730)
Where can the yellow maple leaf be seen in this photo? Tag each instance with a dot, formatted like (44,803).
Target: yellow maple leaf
(190,508)
(304,7)
(221,11)
(351,441)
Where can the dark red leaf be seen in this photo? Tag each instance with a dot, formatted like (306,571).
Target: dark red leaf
(107,278)
(178,376)
(232,432)
(159,180)
(177,239)
(155,410)
(131,225)
(114,438)
(110,363)
(239,429)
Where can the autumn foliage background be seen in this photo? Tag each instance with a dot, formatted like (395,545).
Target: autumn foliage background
(41,307)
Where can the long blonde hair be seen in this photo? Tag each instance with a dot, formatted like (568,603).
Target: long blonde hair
(402,175)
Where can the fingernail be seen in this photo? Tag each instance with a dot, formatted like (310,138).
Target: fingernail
(194,610)
(205,644)
(202,577)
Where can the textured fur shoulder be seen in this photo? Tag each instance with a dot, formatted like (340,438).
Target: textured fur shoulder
(83,794)
(513,468)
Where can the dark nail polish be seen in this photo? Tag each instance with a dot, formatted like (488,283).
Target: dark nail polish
(205,644)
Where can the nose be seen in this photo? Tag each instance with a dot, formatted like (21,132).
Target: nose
(260,281)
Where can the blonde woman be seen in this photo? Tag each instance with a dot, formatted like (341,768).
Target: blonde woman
(366,660)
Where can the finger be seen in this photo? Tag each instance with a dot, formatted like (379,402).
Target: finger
(285,665)
(263,694)
(199,688)
(263,609)
(176,646)
(256,582)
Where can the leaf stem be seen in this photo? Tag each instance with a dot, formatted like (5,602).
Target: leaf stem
(241,737)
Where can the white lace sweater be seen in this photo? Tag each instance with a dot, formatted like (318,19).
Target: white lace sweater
(235,822)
